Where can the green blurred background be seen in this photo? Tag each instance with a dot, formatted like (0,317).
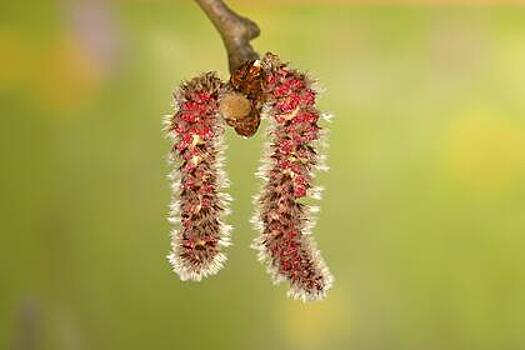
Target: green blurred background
(423,219)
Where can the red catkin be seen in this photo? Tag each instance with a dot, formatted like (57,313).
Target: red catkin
(198,206)
(291,157)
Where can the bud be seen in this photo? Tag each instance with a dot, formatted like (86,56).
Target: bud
(247,82)
(198,207)
(238,112)
(284,220)
(234,106)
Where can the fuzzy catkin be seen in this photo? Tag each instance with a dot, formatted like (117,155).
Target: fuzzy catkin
(198,205)
(290,159)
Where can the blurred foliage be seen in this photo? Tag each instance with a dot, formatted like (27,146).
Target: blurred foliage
(423,220)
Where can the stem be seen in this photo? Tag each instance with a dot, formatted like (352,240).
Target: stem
(236,32)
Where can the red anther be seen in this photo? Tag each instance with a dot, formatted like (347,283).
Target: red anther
(309,97)
(286,146)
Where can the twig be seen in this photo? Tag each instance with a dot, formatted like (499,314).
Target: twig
(236,32)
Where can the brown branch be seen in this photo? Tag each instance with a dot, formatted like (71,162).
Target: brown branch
(236,32)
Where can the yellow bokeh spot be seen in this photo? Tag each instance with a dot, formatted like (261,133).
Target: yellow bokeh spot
(315,324)
(485,153)
(13,60)
(65,76)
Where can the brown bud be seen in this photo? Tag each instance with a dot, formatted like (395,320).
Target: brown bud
(247,81)
(234,106)
(248,125)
